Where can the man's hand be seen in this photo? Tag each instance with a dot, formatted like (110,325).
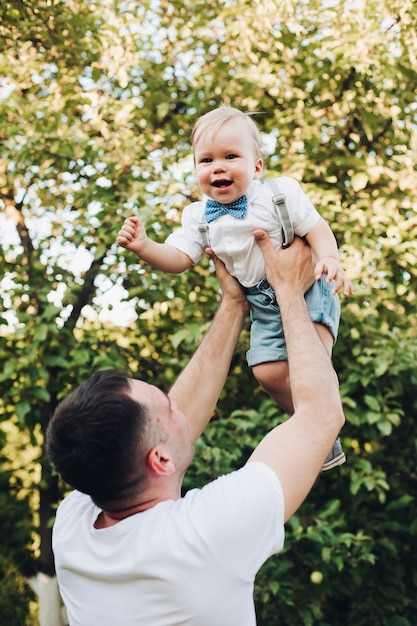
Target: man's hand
(231,289)
(289,268)
(132,235)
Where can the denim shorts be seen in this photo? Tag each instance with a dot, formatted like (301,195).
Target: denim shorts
(267,342)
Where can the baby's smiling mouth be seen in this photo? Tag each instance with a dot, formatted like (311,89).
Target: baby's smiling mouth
(222,183)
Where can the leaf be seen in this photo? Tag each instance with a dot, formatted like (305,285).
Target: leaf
(359,181)
(22,409)
(381,367)
(8,369)
(41,394)
(372,403)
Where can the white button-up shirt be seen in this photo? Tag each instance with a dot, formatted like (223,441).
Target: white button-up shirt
(232,238)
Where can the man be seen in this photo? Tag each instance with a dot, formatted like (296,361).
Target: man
(134,552)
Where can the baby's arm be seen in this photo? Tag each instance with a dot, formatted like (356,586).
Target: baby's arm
(323,242)
(161,256)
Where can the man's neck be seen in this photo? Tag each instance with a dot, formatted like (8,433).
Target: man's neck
(109,518)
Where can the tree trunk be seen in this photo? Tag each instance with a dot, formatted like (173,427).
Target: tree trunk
(49,496)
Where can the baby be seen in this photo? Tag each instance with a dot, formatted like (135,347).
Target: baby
(228,162)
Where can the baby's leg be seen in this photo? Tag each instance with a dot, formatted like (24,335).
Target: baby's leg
(273,376)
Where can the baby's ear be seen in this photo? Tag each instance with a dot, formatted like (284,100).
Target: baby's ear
(259,165)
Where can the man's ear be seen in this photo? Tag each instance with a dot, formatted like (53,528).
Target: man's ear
(160,462)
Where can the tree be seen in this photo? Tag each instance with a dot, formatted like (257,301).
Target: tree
(16,557)
(96,106)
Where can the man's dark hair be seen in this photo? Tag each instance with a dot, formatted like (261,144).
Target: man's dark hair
(97,439)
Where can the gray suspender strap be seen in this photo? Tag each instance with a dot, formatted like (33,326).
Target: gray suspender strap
(278,199)
(203,227)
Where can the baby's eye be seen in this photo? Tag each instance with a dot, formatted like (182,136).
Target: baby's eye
(206,160)
(231,156)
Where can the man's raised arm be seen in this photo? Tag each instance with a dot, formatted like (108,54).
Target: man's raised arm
(198,387)
(296,449)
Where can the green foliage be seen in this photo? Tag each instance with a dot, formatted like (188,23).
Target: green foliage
(15,596)
(16,523)
(97,101)
(16,554)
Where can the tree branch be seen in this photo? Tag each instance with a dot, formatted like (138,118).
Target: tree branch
(86,292)
(13,211)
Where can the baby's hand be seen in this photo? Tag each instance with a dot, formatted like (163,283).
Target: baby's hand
(132,235)
(330,266)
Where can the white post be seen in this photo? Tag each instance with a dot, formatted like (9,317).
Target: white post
(51,611)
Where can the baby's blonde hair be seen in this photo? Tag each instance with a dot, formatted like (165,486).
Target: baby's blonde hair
(214,120)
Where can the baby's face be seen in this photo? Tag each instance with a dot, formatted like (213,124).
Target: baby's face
(226,163)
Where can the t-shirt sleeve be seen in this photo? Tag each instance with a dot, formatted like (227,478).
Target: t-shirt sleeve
(300,209)
(241,517)
(187,238)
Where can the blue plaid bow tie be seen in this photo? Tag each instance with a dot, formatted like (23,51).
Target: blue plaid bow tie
(215,209)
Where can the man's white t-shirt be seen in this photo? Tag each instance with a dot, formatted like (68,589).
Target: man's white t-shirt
(188,562)
(232,238)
